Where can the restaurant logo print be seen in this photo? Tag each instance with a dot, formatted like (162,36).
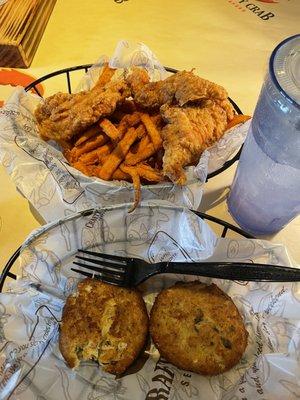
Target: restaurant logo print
(261,11)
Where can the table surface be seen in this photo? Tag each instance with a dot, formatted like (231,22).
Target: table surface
(226,41)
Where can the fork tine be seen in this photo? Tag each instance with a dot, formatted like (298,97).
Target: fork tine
(103,255)
(102,271)
(99,277)
(113,266)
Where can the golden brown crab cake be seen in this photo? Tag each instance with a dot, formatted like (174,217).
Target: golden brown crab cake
(105,323)
(197,327)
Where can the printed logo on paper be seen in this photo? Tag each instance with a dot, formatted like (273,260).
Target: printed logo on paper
(261,11)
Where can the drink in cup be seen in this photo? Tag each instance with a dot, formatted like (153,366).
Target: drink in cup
(265,194)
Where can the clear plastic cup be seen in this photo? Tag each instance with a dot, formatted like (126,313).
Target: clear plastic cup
(265,194)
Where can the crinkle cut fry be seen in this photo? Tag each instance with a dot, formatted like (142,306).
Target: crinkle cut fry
(132,171)
(118,154)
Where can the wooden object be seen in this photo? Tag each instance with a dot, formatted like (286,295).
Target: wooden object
(22,24)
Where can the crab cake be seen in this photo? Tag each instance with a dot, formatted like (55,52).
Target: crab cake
(105,323)
(197,327)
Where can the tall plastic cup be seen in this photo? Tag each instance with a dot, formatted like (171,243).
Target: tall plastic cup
(265,194)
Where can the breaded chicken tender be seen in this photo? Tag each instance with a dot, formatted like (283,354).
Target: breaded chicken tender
(180,88)
(195,110)
(188,132)
(62,116)
(198,328)
(105,323)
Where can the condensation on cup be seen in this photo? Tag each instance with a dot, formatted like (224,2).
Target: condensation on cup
(265,194)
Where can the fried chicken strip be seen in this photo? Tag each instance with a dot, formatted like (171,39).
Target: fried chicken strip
(196,112)
(180,88)
(62,116)
(189,131)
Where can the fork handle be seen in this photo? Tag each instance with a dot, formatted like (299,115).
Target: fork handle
(237,271)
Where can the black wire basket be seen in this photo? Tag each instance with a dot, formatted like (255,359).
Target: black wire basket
(226,230)
(225,226)
(84,68)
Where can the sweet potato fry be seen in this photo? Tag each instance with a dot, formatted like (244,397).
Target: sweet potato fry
(89,145)
(110,130)
(119,175)
(152,130)
(89,170)
(128,121)
(138,147)
(96,156)
(145,149)
(132,171)
(237,119)
(89,158)
(118,154)
(106,75)
(149,173)
(133,119)
(88,134)
(141,131)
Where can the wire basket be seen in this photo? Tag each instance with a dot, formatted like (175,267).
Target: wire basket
(227,230)
(69,87)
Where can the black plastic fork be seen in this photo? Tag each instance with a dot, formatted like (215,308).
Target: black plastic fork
(125,271)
